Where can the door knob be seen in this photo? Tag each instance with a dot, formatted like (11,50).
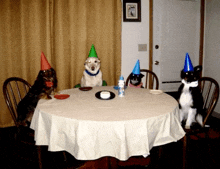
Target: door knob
(156,62)
(156,46)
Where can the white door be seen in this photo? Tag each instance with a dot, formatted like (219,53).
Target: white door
(176,31)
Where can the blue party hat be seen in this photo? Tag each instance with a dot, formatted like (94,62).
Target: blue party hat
(136,69)
(121,78)
(188,67)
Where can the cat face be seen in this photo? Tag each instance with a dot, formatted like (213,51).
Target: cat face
(191,76)
(135,79)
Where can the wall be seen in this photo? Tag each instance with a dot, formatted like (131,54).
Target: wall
(134,33)
(212,43)
(138,33)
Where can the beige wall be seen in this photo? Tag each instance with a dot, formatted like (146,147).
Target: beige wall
(212,42)
(134,33)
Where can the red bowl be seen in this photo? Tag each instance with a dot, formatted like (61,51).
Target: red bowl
(61,96)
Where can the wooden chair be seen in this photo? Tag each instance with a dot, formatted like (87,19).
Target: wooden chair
(210,91)
(151,79)
(14,90)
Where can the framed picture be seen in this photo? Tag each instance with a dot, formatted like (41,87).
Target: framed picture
(132,10)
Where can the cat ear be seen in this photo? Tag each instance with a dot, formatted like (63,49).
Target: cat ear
(141,75)
(198,68)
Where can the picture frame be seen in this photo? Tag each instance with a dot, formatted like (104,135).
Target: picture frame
(132,10)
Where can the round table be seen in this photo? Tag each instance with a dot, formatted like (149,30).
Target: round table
(90,128)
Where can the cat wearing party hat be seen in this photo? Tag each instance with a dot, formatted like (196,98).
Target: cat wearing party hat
(190,96)
(136,77)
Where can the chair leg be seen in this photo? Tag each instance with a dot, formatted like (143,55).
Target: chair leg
(160,151)
(39,157)
(184,152)
(64,156)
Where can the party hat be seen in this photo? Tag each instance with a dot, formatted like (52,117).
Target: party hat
(44,63)
(188,67)
(136,69)
(92,52)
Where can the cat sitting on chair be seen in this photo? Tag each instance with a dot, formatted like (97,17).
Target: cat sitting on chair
(190,96)
(135,77)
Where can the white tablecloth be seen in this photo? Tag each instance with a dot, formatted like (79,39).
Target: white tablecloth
(90,128)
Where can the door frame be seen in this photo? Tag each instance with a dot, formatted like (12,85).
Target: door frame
(201,46)
(150,37)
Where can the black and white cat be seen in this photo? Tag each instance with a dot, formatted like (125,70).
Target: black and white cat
(136,80)
(190,98)
(136,76)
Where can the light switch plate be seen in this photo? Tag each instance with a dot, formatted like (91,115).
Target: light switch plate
(142,47)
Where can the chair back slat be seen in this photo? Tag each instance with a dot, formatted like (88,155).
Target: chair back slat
(212,98)
(146,80)
(9,104)
(18,90)
(14,90)
(207,94)
(25,88)
(210,91)
(152,82)
(201,86)
(13,94)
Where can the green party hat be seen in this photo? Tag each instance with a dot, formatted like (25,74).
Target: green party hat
(92,52)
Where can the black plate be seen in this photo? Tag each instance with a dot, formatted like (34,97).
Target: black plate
(112,95)
(85,88)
